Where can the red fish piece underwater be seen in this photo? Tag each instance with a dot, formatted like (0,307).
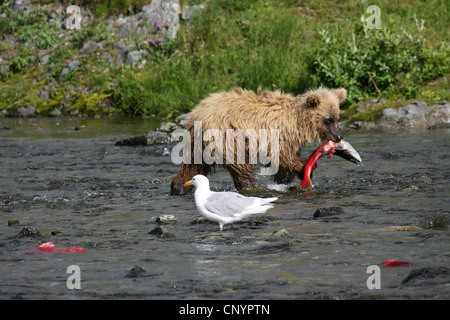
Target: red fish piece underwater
(50,247)
(342,149)
(393,263)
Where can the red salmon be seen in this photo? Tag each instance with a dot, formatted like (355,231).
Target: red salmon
(50,247)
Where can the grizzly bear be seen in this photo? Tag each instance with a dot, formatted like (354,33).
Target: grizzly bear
(299,120)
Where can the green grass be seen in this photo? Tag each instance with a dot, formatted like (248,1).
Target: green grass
(275,44)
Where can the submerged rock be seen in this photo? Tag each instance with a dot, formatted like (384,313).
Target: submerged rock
(147,139)
(164,219)
(13,222)
(442,275)
(28,232)
(136,272)
(437,222)
(326,212)
(161,232)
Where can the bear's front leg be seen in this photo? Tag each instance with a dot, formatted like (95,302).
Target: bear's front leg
(287,171)
(186,173)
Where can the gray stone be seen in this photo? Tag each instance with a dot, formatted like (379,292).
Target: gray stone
(120,44)
(161,232)
(73,64)
(192,11)
(136,272)
(44,59)
(44,95)
(167,127)
(390,112)
(28,231)
(63,72)
(414,114)
(134,56)
(28,111)
(147,139)
(440,115)
(164,12)
(165,219)
(56,113)
(90,47)
(437,222)
(121,56)
(123,30)
(325,212)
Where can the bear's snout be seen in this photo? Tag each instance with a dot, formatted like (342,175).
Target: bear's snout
(334,134)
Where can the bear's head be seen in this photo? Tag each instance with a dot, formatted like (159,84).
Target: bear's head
(322,112)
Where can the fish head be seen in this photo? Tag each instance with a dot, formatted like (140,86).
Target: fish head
(346,151)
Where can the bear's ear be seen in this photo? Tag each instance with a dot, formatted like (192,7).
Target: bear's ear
(312,101)
(341,94)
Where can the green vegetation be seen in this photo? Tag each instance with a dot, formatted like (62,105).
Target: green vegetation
(276,44)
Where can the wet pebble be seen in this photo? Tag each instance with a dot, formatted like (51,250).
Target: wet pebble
(441,274)
(326,212)
(161,232)
(136,272)
(164,219)
(437,222)
(28,232)
(202,220)
(13,222)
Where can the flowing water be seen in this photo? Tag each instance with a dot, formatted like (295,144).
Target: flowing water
(67,179)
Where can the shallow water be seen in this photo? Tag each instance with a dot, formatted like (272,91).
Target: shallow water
(68,180)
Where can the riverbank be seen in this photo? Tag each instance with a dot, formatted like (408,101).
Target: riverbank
(160,58)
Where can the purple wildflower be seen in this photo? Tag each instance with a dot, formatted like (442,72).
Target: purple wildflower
(155,41)
(158,25)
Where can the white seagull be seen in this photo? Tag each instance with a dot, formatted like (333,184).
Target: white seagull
(225,207)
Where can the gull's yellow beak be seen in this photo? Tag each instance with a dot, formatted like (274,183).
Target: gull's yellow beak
(188,183)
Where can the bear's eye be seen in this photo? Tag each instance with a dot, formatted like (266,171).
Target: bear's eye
(328,122)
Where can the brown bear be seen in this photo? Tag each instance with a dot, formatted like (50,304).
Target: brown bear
(299,120)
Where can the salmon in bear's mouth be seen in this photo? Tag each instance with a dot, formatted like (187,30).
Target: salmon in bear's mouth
(342,149)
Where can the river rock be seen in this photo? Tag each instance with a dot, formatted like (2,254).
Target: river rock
(326,212)
(13,222)
(147,139)
(136,272)
(28,111)
(416,114)
(164,219)
(437,221)
(437,275)
(161,232)
(28,231)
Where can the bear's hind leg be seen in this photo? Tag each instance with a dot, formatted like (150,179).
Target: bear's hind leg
(242,174)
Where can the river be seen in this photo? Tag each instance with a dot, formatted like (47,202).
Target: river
(67,179)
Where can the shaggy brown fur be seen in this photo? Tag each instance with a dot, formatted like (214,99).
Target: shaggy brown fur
(299,119)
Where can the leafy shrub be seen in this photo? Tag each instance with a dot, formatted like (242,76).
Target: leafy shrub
(19,63)
(377,62)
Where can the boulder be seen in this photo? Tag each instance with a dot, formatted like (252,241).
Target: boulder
(165,13)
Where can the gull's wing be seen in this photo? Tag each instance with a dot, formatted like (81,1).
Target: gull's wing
(228,204)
